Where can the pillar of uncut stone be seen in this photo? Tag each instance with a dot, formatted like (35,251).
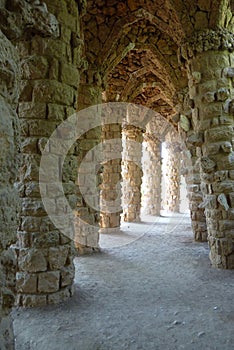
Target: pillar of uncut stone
(172,181)
(191,170)
(190,167)
(88,208)
(151,199)
(50,77)
(9,140)
(110,195)
(210,61)
(132,173)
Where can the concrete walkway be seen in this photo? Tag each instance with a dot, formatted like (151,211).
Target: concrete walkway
(153,288)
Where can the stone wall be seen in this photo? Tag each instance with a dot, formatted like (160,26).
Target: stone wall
(9,161)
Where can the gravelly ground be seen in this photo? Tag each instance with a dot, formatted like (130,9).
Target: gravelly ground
(157,292)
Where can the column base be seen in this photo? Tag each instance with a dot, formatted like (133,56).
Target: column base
(30,300)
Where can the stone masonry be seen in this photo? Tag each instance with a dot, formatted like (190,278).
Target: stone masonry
(132,173)
(151,199)
(63,56)
(48,96)
(111,177)
(87,225)
(210,61)
(9,163)
(172,181)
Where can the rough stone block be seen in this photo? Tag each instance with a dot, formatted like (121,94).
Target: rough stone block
(49,47)
(223,133)
(52,91)
(226,162)
(48,282)
(223,186)
(34,67)
(69,75)
(31,110)
(60,296)
(45,240)
(56,112)
(67,275)
(226,225)
(58,257)
(32,260)
(26,282)
(41,127)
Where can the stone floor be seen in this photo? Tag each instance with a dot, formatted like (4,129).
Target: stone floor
(151,288)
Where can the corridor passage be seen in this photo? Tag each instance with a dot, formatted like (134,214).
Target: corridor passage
(151,288)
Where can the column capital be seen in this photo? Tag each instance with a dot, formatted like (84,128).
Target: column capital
(205,40)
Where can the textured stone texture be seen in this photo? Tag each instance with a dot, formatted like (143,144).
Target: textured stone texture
(132,173)
(9,162)
(48,92)
(88,217)
(110,195)
(151,198)
(173,166)
(216,151)
(129,50)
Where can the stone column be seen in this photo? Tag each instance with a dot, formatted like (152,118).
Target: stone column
(111,177)
(9,164)
(132,173)
(48,95)
(191,171)
(210,61)
(190,167)
(172,202)
(88,211)
(151,201)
